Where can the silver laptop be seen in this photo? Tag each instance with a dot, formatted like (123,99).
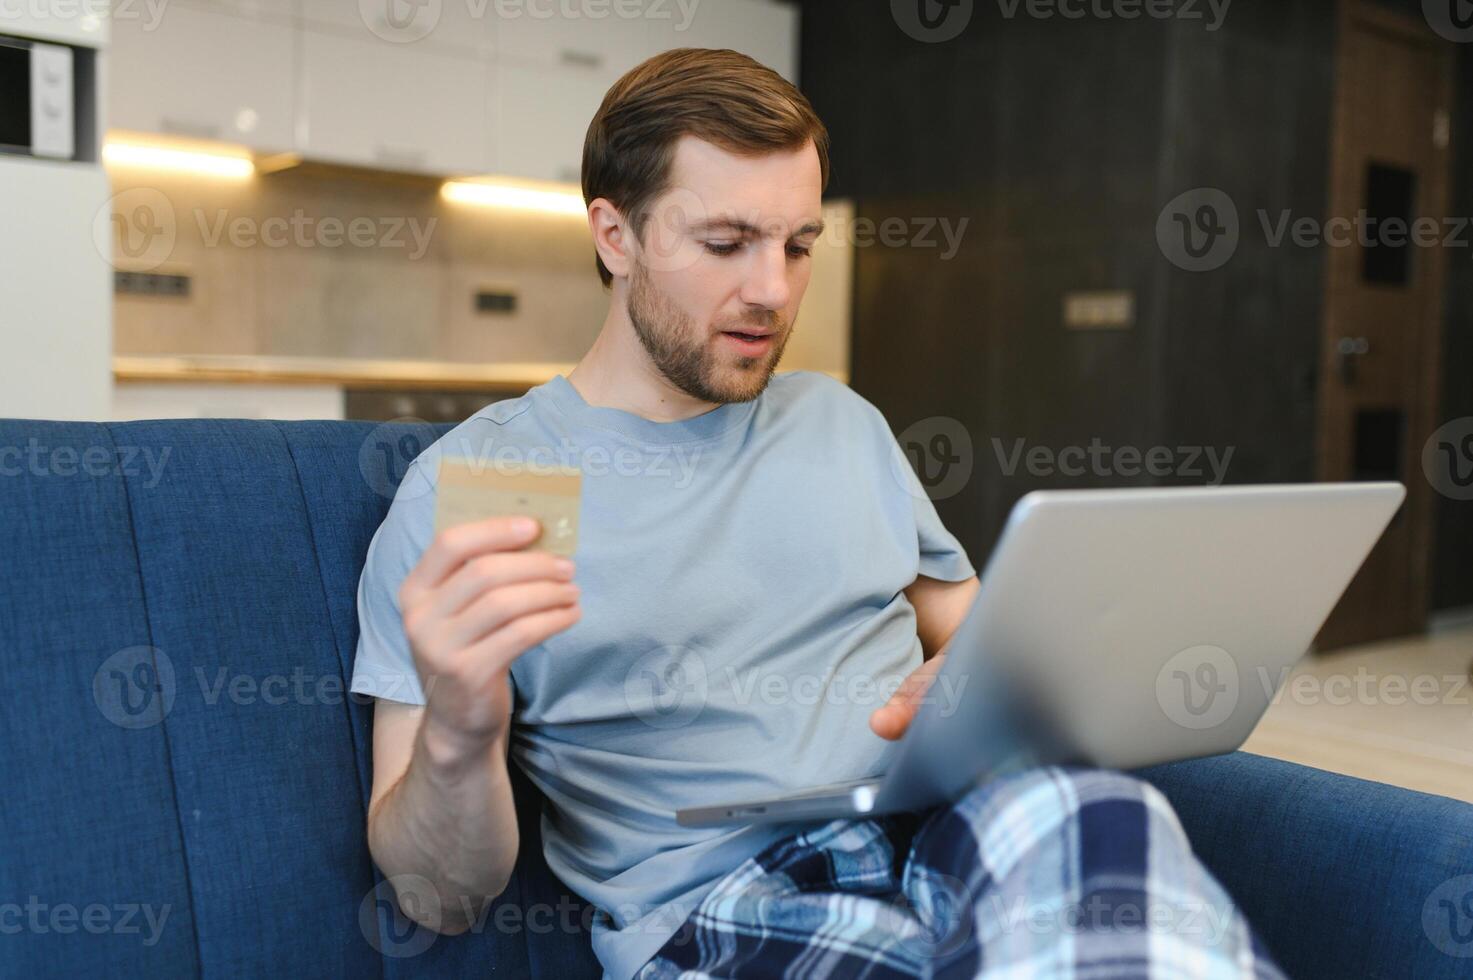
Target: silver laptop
(1119,628)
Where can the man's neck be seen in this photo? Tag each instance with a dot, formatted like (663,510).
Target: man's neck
(618,373)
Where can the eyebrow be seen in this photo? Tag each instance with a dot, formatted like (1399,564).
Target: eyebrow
(729,223)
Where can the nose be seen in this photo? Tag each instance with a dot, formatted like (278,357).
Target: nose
(767,279)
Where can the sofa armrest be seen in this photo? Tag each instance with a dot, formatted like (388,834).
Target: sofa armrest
(1341,877)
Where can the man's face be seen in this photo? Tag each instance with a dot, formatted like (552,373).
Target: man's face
(724,257)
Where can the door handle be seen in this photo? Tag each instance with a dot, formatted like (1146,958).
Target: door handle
(1349,350)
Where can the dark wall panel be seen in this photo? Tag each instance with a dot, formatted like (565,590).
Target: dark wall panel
(1059,142)
(1452,569)
(1252,108)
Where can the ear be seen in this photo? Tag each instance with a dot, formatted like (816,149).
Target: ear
(612,236)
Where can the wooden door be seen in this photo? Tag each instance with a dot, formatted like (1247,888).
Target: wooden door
(1381,329)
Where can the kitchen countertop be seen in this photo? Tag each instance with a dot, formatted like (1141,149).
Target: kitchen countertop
(345,372)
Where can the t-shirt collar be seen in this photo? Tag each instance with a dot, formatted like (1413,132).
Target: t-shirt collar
(708,425)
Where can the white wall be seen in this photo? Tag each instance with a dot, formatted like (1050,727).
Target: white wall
(55,291)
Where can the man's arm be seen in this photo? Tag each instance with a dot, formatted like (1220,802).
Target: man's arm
(441,820)
(439,817)
(940,608)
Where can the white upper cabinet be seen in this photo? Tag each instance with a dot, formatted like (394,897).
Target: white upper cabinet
(440,87)
(282,10)
(408,108)
(197,71)
(763,29)
(544,116)
(552,74)
(467,26)
(608,44)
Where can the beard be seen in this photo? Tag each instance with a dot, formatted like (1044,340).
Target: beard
(691,360)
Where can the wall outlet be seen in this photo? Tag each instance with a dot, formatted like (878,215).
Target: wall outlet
(498,301)
(149,284)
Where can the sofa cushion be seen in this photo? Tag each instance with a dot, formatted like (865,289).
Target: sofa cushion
(1341,877)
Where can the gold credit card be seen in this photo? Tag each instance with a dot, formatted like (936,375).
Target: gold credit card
(472,490)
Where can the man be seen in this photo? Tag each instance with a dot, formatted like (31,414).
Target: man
(753,574)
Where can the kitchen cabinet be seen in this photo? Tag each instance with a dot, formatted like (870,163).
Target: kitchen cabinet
(764,29)
(608,44)
(56,297)
(281,10)
(553,74)
(404,107)
(467,26)
(175,76)
(182,400)
(457,87)
(544,116)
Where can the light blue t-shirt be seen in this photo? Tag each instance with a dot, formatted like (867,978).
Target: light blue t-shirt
(741,577)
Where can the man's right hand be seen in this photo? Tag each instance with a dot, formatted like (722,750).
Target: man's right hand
(476,601)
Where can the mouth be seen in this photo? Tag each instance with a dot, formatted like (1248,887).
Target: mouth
(749,342)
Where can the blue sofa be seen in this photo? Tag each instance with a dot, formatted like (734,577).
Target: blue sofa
(184,781)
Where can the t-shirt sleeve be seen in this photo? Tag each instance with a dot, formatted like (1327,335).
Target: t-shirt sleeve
(384,665)
(941,554)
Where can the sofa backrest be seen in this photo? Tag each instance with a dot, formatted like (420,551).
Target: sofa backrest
(185,778)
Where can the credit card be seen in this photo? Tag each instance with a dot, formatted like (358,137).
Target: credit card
(472,490)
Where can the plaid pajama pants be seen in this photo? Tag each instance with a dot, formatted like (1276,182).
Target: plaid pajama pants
(1054,872)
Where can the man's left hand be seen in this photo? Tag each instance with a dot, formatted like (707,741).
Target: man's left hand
(892,718)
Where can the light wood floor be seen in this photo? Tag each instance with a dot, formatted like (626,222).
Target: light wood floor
(1398,712)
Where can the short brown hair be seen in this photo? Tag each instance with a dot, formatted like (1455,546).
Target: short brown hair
(714,94)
